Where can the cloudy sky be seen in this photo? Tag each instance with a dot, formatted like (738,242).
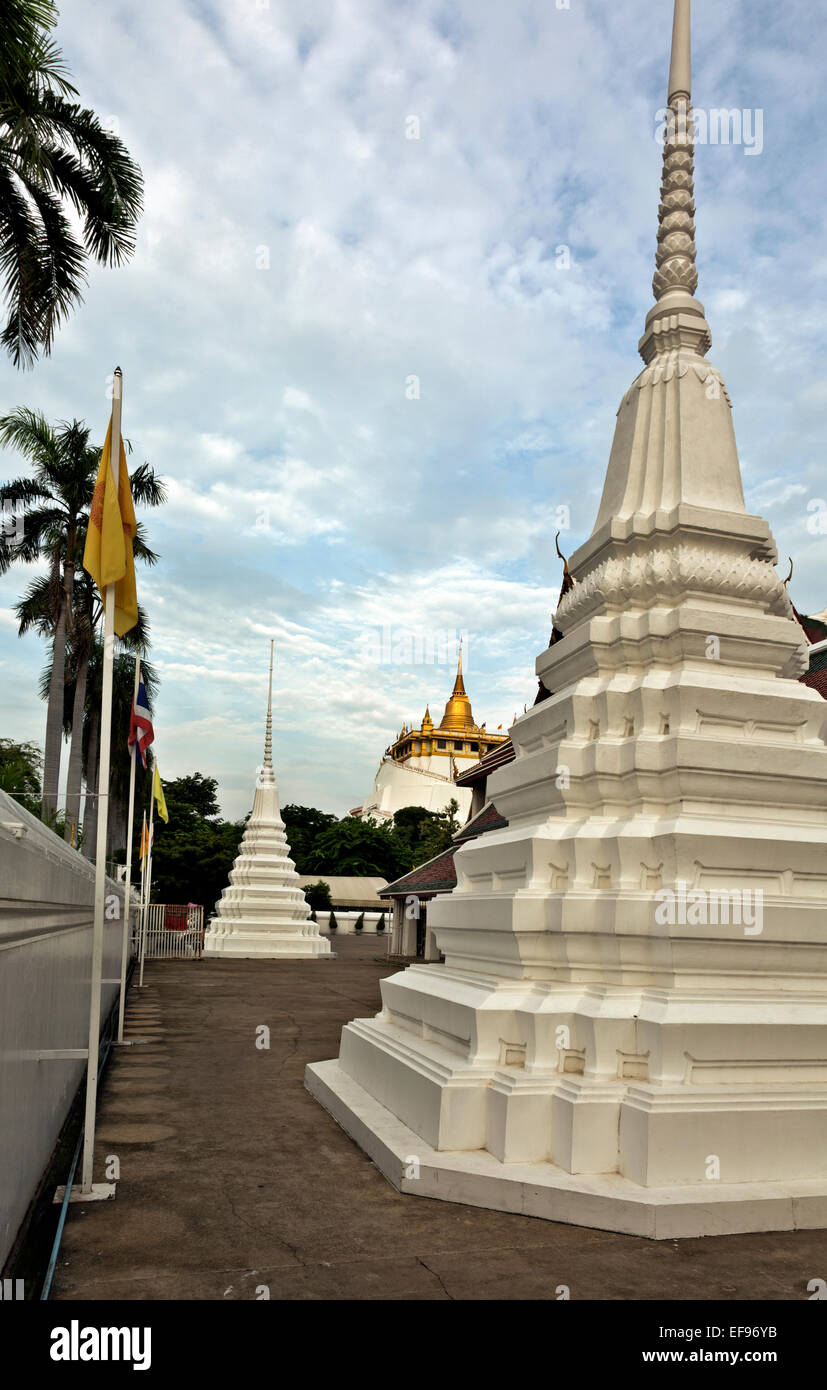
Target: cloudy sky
(394,263)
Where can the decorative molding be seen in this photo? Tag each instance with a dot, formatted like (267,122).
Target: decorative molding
(672,361)
(670,571)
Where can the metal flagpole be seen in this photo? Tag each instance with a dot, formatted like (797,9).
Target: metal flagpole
(144,858)
(128,898)
(103,821)
(148,871)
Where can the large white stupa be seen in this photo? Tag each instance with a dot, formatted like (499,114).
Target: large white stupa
(629,1030)
(263,912)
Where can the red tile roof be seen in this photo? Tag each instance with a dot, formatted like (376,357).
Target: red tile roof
(488,818)
(437,876)
(816,631)
(498,757)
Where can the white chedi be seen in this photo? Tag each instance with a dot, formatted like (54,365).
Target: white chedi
(263,912)
(629,1029)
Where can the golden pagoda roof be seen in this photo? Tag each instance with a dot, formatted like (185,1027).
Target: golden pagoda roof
(458,714)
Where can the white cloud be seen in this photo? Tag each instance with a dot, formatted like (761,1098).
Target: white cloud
(310,498)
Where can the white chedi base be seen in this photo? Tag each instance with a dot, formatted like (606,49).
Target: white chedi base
(263,913)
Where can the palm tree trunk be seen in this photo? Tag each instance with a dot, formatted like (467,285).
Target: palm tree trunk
(90,810)
(73,780)
(54,713)
(116,826)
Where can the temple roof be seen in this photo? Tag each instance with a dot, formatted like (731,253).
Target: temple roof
(815,630)
(498,757)
(487,819)
(438,875)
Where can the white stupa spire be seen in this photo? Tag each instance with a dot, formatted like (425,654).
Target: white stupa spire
(263,911)
(267,774)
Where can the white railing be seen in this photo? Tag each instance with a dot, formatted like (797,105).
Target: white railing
(174,931)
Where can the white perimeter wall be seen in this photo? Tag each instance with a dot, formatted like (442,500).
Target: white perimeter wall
(46,904)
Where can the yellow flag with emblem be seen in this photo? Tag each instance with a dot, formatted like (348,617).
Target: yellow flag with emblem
(158,793)
(107,555)
(144,841)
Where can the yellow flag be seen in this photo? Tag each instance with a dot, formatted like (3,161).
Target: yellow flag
(107,556)
(158,793)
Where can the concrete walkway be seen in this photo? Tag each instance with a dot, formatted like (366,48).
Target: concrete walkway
(232,1177)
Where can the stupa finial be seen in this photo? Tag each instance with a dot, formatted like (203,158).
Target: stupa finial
(268,735)
(677,319)
(680,68)
(676,229)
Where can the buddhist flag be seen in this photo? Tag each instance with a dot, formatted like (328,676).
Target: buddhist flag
(144,841)
(158,793)
(107,556)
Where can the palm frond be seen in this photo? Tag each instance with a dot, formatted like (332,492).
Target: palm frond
(141,550)
(148,490)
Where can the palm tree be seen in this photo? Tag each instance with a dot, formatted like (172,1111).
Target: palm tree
(56,161)
(55,506)
(88,612)
(122,687)
(34,612)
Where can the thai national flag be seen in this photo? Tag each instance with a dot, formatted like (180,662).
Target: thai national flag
(141,732)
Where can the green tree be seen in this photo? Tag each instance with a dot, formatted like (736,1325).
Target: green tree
(69,190)
(422,834)
(318,896)
(80,704)
(302,825)
(193,854)
(123,685)
(20,773)
(358,847)
(54,504)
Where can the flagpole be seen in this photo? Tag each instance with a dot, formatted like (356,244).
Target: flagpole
(148,871)
(103,821)
(130,817)
(144,858)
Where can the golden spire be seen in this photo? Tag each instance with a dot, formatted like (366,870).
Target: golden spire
(458,714)
(427,722)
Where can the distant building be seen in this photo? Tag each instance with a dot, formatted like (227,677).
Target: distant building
(421,767)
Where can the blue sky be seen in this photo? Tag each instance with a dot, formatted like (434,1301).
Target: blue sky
(301,259)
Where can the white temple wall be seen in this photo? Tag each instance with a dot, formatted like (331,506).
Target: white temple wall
(396,786)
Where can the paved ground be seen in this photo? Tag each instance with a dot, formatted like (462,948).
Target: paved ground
(232,1176)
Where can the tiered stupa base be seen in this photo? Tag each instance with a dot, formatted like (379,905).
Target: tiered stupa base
(603,1201)
(249,943)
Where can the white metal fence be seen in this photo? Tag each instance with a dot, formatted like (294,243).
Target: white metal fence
(174,931)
